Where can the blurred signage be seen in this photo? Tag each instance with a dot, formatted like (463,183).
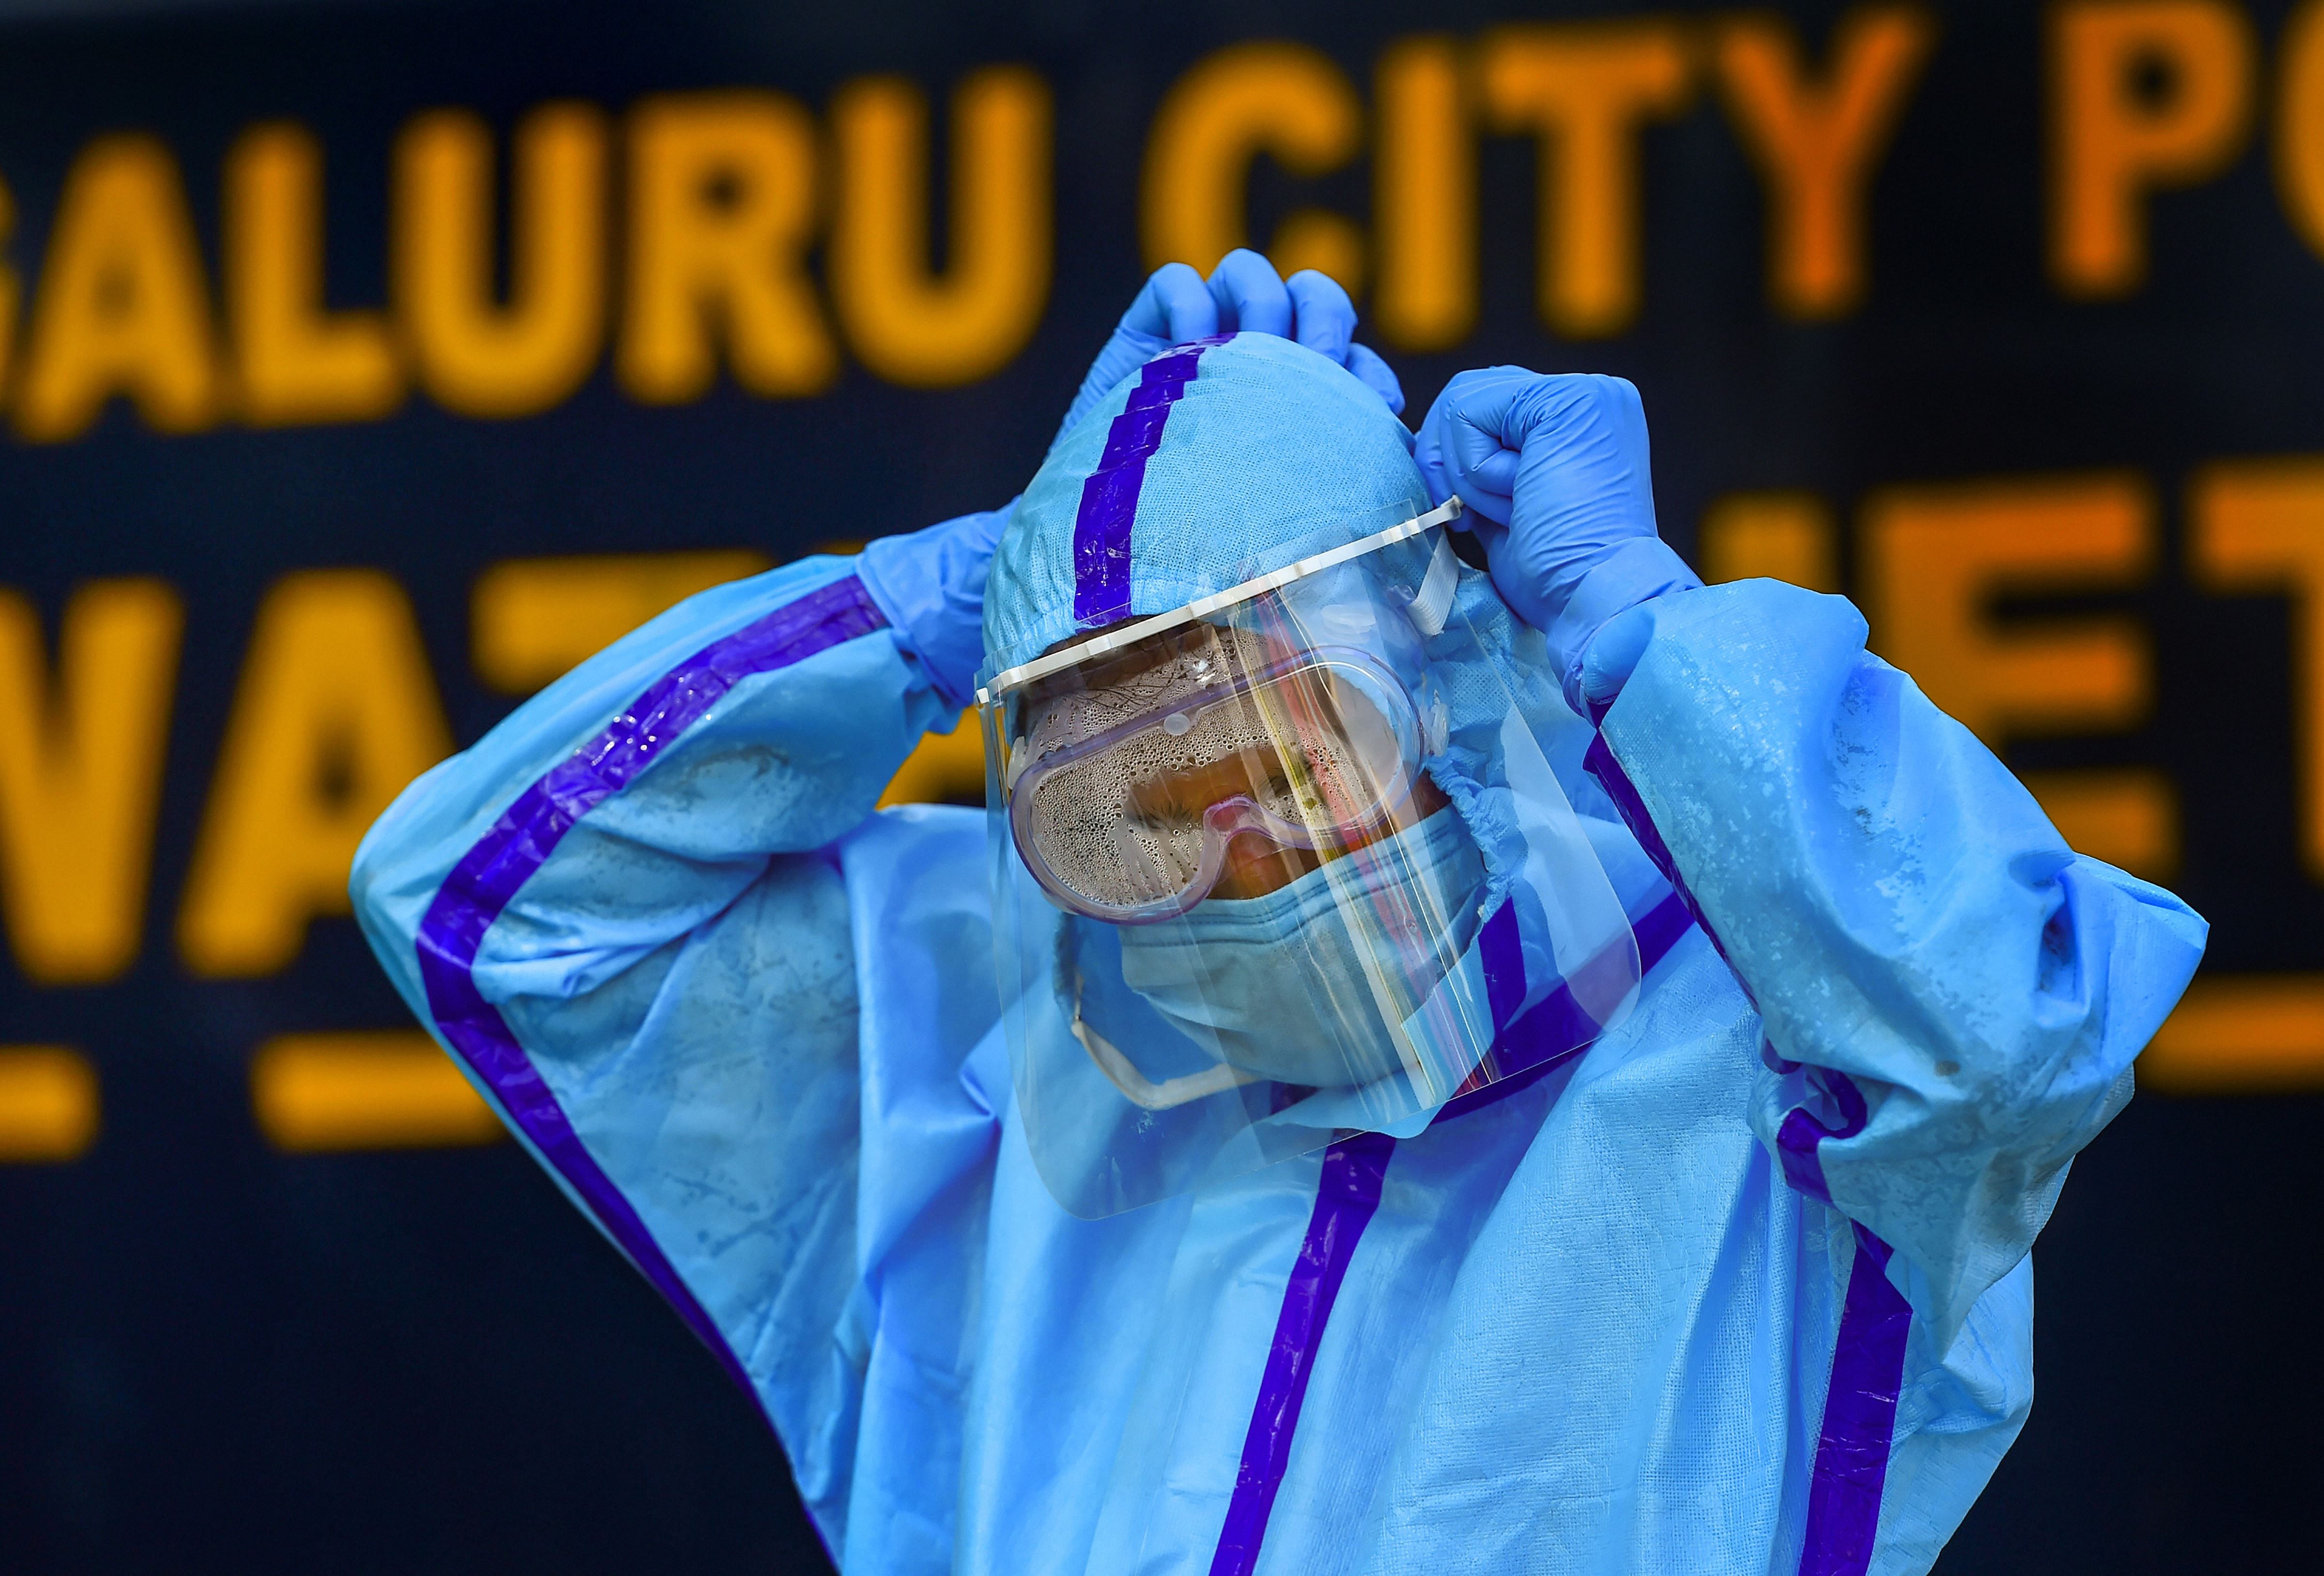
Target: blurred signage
(759,243)
(364,367)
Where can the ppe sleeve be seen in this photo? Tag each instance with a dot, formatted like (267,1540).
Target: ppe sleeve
(621,913)
(1951,998)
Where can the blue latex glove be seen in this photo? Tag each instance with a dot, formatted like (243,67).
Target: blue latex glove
(1242,293)
(930,583)
(1554,468)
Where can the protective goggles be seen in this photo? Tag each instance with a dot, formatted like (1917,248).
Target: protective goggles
(1135,788)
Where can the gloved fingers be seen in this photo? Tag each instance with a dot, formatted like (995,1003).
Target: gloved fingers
(1436,468)
(1175,307)
(1626,414)
(1593,410)
(1590,431)
(1486,516)
(1479,469)
(1377,375)
(1483,503)
(1562,461)
(1324,318)
(1250,294)
(1487,409)
(1472,441)
(1494,474)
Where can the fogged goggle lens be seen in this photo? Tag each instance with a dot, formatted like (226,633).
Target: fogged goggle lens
(1141,777)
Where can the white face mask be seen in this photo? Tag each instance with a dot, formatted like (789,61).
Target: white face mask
(1243,977)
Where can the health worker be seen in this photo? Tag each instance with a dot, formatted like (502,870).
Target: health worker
(1420,1067)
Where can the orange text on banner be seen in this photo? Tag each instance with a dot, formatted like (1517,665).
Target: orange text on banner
(48,1105)
(909,325)
(2255,1035)
(388,1089)
(1582,90)
(1424,196)
(724,195)
(471,353)
(1784,536)
(121,307)
(530,620)
(2300,122)
(1933,560)
(1285,100)
(1816,143)
(81,776)
(2143,95)
(336,711)
(296,362)
(2258,527)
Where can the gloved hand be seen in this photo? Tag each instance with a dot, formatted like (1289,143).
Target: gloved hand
(931,586)
(1553,469)
(930,583)
(1242,293)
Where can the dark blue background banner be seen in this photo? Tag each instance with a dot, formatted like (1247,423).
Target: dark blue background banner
(221,1345)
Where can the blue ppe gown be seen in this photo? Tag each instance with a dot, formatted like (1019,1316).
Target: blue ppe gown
(1744,1287)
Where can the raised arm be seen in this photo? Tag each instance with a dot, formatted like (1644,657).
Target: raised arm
(615,911)
(653,918)
(1951,998)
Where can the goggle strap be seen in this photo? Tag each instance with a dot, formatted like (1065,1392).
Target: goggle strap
(1432,604)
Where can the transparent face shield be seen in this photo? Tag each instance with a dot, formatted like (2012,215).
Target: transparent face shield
(1285,864)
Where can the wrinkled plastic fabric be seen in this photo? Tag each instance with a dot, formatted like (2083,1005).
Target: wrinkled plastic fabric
(1898,923)
(1745,1286)
(1218,460)
(1163,1039)
(1594,1326)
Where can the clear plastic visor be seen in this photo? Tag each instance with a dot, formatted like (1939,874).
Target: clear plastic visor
(1290,866)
